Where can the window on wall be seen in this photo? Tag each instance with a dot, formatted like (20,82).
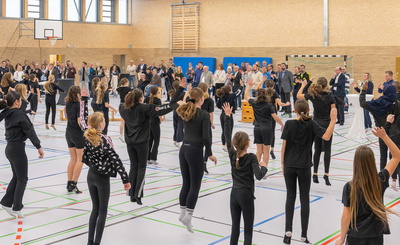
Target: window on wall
(55,9)
(108,11)
(123,11)
(92,10)
(35,9)
(74,10)
(13,8)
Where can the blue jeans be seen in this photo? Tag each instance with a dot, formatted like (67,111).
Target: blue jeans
(346,108)
(367,119)
(147,89)
(132,81)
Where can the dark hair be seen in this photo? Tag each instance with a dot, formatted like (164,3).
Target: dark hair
(9,99)
(153,93)
(225,90)
(390,73)
(302,109)
(175,86)
(240,141)
(133,98)
(262,96)
(73,93)
(397,85)
(200,62)
(32,77)
(6,80)
(95,82)
(270,91)
(303,66)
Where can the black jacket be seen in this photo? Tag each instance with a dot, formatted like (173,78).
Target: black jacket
(18,127)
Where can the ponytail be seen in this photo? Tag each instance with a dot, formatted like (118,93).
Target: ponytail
(302,109)
(92,134)
(9,100)
(240,141)
(316,89)
(47,85)
(225,90)
(153,93)
(133,98)
(100,93)
(204,87)
(188,111)
(262,96)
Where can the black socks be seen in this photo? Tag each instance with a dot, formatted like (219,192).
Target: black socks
(139,200)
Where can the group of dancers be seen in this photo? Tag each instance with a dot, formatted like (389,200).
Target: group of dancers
(364,217)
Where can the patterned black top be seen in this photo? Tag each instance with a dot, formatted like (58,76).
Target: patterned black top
(103,159)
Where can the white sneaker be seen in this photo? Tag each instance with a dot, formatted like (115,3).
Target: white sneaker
(8,210)
(122,138)
(394,186)
(224,148)
(19,214)
(177,144)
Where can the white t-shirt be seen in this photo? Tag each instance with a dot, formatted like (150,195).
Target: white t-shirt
(18,76)
(131,69)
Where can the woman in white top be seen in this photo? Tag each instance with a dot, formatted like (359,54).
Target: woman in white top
(219,77)
(18,73)
(228,74)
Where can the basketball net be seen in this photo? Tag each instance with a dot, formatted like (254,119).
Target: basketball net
(53,40)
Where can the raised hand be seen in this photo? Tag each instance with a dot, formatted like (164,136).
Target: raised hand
(183,83)
(227,109)
(379,132)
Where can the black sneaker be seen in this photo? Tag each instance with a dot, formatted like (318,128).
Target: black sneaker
(315,179)
(272,155)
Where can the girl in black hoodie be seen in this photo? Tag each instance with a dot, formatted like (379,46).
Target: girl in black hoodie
(225,95)
(18,129)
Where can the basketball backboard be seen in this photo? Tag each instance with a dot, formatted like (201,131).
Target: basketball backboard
(48,28)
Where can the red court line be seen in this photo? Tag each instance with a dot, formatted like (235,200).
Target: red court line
(338,235)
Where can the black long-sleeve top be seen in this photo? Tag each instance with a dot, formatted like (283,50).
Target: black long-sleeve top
(18,127)
(380,121)
(55,88)
(103,159)
(137,118)
(248,164)
(230,98)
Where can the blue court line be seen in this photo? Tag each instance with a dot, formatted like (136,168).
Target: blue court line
(263,222)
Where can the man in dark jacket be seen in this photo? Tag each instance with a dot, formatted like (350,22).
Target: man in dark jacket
(338,83)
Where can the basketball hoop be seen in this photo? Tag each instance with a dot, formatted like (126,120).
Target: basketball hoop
(53,40)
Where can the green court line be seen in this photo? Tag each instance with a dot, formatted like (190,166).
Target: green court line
(117,216)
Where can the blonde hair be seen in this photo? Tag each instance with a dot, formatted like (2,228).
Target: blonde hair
(47,85)
(366,185)
(92,134)
(6,80)
(316,89)
(302,108)
(21,89)
(204,87)
(189,110)
(100,93)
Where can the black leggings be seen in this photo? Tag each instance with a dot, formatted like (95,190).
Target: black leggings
(325,146)
(34,102)
(303,176)
(365,241)
(138,157)
(242,201)
(50,104)
(99,188)
(383,150)
(192,169)
(15,153)
(178,128)
(222,120)
(154,141)
(273,133)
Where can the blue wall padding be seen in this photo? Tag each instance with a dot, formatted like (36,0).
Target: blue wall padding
(239,60)
(184,62)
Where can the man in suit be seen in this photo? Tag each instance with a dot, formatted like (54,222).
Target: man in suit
(52,71)
(285,82)
(84,73)
(155,81)
(236,79)
(197,74)
(338,83)
(141,68)
(206,76)
(115,64)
